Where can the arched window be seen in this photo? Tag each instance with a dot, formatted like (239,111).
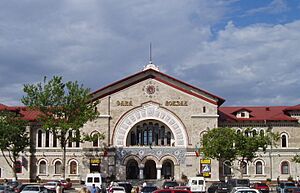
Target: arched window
(254,132)
(54,139)
(285,169)
(132,138)
(284,140)
(39,138)
(238,131)
(73,167)
(262,132)
(258,167)
(47,139)
(77,138)
(204,109)
(42,167)
(70,138)
(57,167)
(244,167)
(227,168)
(95,139)
(168,138)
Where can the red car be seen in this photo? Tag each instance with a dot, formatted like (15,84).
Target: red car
(264,188)
(66,184)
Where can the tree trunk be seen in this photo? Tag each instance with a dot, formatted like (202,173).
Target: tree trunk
(64,161)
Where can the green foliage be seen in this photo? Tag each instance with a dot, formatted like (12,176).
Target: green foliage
(14,138)
(296,159)
(64,107)
(218,144)
(227,144)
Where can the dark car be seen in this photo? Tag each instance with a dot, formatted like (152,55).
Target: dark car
(148,189)
(20,187)
(172,191)
(263,187)
(218,187)
(126,185)
(169,184)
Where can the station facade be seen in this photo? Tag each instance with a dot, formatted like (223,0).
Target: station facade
(153,124)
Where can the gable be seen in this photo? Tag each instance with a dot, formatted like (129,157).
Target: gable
(162,78)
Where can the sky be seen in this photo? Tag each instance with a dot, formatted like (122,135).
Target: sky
(245,51)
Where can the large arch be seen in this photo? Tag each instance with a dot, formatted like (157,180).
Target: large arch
(150,111)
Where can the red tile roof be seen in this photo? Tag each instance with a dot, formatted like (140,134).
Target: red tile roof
(25,112)
(261,113)
(293,108)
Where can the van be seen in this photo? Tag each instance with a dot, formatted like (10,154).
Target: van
(94,178)
(197,184)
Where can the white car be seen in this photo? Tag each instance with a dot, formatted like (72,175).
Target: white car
(34,189)
(245,190)
(117,189)
(52,185)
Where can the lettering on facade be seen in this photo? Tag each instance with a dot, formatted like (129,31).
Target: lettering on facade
(176,103)
(124,103)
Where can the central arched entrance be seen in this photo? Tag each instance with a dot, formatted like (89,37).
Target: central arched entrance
(150,170)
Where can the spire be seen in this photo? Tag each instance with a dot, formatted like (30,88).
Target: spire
(150,65)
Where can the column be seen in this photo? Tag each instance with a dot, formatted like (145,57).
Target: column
(158,173)
(141,173)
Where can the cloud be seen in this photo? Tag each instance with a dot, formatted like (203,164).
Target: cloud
(275,7)
(251,65)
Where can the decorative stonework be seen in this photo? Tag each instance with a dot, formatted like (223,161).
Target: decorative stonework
(142,152)
(146,112)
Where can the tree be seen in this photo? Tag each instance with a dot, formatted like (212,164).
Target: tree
(227,145)
(64,107)
(14,138)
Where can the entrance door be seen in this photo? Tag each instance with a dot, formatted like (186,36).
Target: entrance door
(132,170)
(167,169)
(150,170)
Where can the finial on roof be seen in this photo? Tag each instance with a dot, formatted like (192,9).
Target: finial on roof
(150,65)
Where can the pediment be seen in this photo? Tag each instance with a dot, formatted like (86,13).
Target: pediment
(160,77)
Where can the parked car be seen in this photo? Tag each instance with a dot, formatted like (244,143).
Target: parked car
(66,184)
(126,185)
(169,184)
(263,187)
(52,185)
(6,189)
(34,189)
(238,183)
(117,189)
(234,189)
(148,189)
(218,187)
(172,191)
(13,184)
(197,184)
(245,190)
(285,187)
(20,187)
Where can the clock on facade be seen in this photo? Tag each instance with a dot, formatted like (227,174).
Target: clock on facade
(150,89)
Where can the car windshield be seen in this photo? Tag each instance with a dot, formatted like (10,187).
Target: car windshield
(149,189)
(171,183)
(31,188)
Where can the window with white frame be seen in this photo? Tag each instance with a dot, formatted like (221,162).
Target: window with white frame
(284,140)
(244,167)
(226,169)
(73,167)
(57,167)
(95,139)
(42,167)
(39,138)
(259,167)
(285,168)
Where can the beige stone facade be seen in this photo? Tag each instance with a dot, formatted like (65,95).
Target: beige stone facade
(153,124)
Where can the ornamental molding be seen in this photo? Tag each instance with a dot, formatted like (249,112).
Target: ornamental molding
(150,111)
